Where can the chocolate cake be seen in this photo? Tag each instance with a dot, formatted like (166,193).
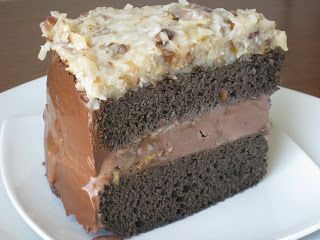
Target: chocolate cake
(156,113)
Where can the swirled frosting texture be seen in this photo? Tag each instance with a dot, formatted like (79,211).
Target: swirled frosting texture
(111,51)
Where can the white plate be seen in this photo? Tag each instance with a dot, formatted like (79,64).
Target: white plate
(284,205)
(297,113)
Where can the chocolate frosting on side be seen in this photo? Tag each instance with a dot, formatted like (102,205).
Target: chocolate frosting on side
(77,166)
(68,144)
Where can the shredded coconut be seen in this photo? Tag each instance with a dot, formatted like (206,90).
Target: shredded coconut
(111,51)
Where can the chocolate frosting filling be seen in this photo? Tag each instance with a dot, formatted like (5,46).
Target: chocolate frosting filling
(72,150)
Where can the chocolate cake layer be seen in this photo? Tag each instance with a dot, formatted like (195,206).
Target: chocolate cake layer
(161,195)
(122,121)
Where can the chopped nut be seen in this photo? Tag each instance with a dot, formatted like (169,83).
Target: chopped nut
(123,49)
(116,175)
(158,39)
(163,37)
(175,17)
(140,165)
(233,48)
(231,24)
(51,21)
(223,95)
(178,13)
(265,46)
(169,32)
(47,26)
(118,48)
(253,34)
(145,161)
(167,55)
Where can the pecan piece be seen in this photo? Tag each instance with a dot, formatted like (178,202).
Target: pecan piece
(118,48)
(230,23)
(163,37)
(223,95)
(169,32)
(167,55)
(253,34)
(51,21)
(233,48)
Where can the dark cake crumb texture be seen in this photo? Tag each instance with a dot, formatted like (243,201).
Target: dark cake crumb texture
(161,195)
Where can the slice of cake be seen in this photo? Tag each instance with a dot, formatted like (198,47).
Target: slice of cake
(156,113)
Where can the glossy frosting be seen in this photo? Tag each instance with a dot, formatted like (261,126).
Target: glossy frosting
(76,166)
(68,144)
(111,51)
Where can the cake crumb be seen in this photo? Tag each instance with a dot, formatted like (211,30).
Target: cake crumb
(223,95)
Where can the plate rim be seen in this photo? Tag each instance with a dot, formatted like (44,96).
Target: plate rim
(10,194)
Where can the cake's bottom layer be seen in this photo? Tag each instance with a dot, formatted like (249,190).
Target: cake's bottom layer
(164,194)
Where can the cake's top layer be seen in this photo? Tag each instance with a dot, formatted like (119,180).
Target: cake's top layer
(113,50)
